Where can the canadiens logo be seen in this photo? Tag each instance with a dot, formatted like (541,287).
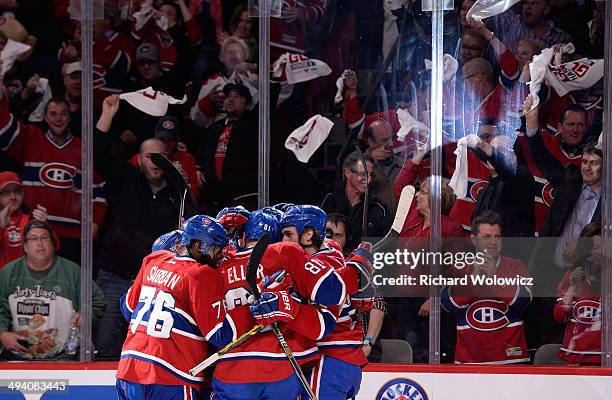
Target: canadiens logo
(14,236)
(587,312)
(401,389)
(547,194)
(487,315)
(476,188)
(58,175)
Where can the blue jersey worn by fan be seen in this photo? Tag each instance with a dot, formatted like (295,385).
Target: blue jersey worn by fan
(175,304)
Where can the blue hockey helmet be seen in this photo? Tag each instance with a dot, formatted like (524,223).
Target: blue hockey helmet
(283,207)
(261,222)
(278,214)
(305,216)
(206,229)
(167,241)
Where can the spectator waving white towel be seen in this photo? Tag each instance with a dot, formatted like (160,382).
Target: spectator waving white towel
(487,8)
(306,139)
(151,101)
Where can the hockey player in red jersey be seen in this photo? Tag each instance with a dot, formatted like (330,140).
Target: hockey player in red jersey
(337,375)
(175,308)
(259,369)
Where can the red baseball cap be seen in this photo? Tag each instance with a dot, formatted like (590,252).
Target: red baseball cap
(8,177)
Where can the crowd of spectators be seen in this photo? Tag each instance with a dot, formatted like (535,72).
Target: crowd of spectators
(526,165)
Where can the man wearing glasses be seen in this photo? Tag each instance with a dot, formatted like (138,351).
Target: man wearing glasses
(40,299)
(348,199)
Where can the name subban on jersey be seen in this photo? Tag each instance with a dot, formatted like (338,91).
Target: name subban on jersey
(162,277)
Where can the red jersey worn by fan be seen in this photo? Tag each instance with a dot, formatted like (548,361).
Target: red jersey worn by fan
(175,307)
(261,359)
(11,238)
(490,319)
(289,36)
(51,173)
(582,340)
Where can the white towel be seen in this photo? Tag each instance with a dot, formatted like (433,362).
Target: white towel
(599,144)
(487,8)
(306,139)
(9,54)
(151,101)
(296,68)
(39,112)
(459,180)
(574,75)
(539,66)
(408,124)
(450,67)
(340,85)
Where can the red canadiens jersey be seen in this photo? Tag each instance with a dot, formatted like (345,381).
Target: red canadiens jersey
(51,173)
(261,359)
(582,339)
(11,238)
(174,306)
(490,319)
(478,179)
(346,341)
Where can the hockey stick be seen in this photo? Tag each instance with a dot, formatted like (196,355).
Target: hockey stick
(364,217)
(236,343)
(174,176)
(403,206)
(251,278)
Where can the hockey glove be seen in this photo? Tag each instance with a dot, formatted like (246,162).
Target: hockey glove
(279,280)
(362,260)
(273,307)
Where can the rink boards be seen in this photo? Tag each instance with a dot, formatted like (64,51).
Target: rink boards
(95,381)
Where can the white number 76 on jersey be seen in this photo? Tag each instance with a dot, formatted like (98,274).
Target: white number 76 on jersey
(160,322)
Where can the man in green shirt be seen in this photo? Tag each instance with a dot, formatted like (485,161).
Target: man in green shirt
(40,299)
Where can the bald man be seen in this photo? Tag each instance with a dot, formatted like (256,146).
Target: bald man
(142,207)
(379,136)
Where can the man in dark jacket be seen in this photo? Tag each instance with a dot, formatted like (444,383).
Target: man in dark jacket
(143,205)
(229,153)
(577,202)
(349,200)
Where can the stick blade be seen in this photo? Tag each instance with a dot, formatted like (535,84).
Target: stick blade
(172,173)
(254,260)
(403,207)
